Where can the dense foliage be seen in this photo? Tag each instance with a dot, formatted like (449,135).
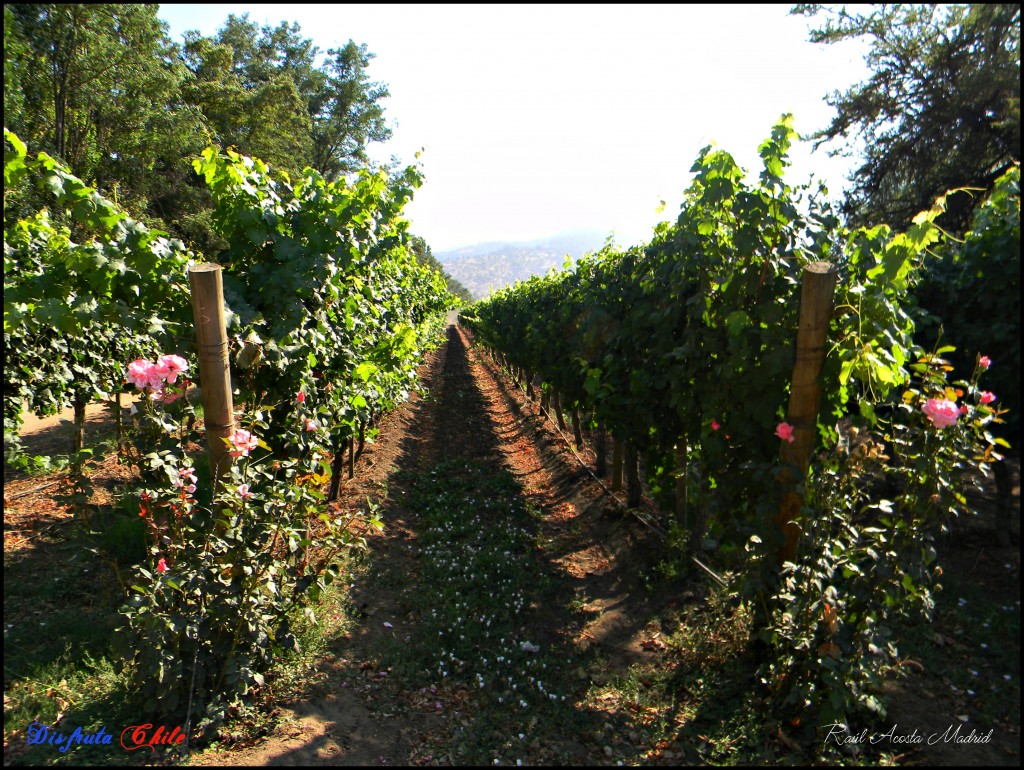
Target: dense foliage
(104,90)
(331,313)
(941,109)
(688,342)
(76,310)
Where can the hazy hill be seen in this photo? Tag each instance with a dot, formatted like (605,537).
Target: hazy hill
(485,267)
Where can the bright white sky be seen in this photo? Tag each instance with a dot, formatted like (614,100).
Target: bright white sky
(539,119)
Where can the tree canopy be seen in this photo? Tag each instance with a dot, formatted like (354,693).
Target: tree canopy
(941,109)
(103,89)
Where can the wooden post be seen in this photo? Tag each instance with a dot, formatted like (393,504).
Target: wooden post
(577,433)
(351,456)
(529,385)
(214,367)
(816,296)
(616,464)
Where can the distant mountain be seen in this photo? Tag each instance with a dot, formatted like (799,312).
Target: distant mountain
(486,267)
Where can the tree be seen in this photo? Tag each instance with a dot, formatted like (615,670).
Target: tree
(264,93)
(246,86)
(941,109)
(346,112)
(98,87)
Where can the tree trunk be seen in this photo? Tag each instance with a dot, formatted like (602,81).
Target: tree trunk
(632,475)
(362,439)
(336,467)
(115,405)
(577,433)
(616,464)
(681,486)
(78,434)
(556,404)
(601,450)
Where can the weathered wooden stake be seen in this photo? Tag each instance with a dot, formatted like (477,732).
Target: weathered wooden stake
(351,456)
(214,367)
(816,296)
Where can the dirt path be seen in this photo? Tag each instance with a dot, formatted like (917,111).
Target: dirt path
(468,415)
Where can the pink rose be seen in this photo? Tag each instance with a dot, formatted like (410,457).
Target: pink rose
(243,442)
(984,362)
(311,424)
(139,373)
(715,425)
(171,366)
(785,432)
(161,566)
(300,397)
(964,409)
(987,397)
(243,491)
(942,412)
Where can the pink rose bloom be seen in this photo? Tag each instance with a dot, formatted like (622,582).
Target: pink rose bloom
(984,362)
(715,425)
(785,432)
(171,366)
(139,373)
(161,566)
(964,409)
(243,491)
(170,396)
(186,475)
(987,397)
(311,424)
(942,412)
(300,397)
(243,442)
